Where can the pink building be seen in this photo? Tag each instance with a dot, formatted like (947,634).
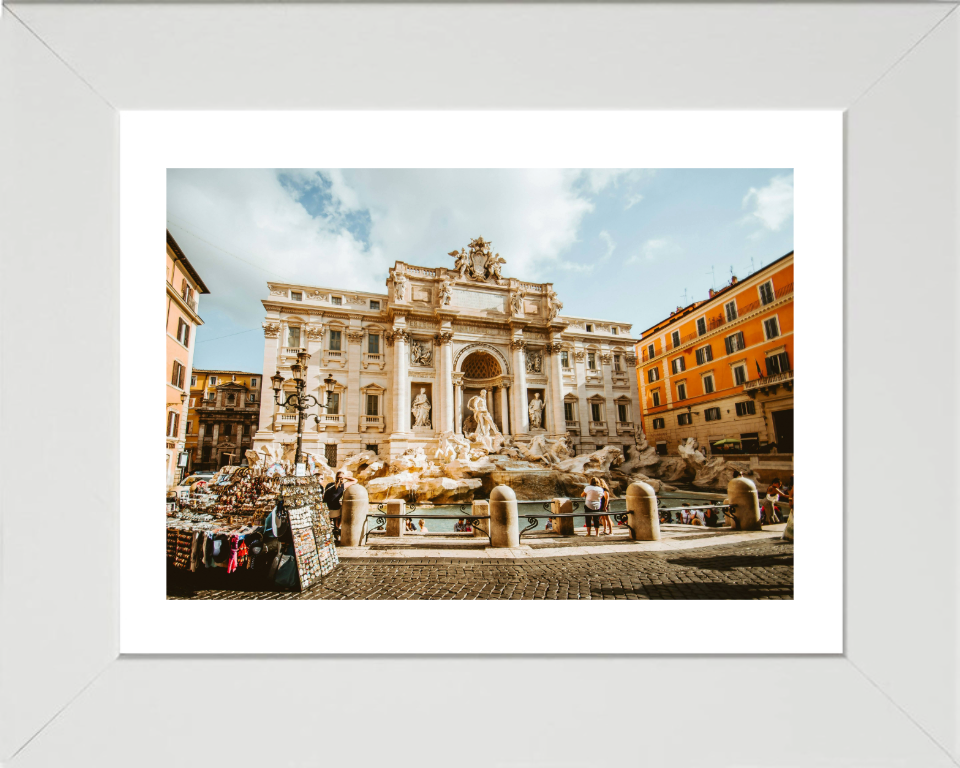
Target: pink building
(183,289)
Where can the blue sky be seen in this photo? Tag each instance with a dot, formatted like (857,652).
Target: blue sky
(628,245)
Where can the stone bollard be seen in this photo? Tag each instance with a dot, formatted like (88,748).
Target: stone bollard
(642,515)
(478,509)
(356,505)
(788,531)
(396,526)
(746,503)
(504,526)
(564,525)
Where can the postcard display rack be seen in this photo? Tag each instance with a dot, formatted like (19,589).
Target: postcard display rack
(237,502)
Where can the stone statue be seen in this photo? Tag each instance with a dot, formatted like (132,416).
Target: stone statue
(421,409)
(462,263)
(535,409)
(446,292)
(486,432)
(494,265)
(555,309)
(516,302)
(452,447)
(399,284)
(421,353)
(479,262)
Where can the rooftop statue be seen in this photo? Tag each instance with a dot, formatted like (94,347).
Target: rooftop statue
(479,262)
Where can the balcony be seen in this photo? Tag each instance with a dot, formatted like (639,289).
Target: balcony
(376,359)
(593,377)
(371,423)
(598,428)
(291,352)
(334,357)
(625,428)
(283,419)
(573,427)
(769,385)
(330,422)
(620,379)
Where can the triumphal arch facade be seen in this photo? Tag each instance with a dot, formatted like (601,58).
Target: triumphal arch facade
(406,363)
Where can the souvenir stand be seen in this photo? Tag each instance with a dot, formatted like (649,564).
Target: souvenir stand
(259,526)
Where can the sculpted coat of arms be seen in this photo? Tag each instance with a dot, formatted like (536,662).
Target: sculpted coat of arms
(478,262)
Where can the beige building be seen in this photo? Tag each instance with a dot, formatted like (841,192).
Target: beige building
(223,417)
(184,287)
(406,363)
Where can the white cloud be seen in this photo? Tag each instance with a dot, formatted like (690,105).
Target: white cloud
(656,248)
(632,201)
(611,245)
(772,204)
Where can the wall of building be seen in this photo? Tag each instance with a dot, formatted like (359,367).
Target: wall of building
(209,441)
(716,327)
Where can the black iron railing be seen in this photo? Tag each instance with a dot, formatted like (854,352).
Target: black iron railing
(381,518)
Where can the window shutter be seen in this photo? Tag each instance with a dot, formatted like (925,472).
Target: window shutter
(784,362)
(771,366)
(740,340)
(709,354)
(728,343)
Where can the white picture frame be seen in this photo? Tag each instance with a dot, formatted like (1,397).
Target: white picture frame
(66,697)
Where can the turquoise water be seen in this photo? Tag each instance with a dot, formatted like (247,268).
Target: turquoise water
(618,505)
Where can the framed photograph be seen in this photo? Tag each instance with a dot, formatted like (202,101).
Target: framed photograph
(847,151)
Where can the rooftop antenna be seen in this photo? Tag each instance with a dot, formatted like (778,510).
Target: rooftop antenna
(713,278)
(752,270)
(685,297)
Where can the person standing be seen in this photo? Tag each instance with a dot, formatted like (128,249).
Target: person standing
(594,494)
(333,495)
(605,518)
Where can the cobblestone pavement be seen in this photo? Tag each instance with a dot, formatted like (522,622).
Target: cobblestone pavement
(761,570)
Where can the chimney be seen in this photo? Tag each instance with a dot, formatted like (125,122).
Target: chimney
(711,293)
(733,280)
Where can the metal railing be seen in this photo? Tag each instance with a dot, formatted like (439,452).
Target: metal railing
(670,510)
(767,381)
(381,518)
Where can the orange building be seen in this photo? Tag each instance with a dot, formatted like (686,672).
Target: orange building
(722,369)
(224,412)
(183,288)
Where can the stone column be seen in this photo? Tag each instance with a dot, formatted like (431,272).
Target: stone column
(458,403)
(445,342)
(643,518)
(519,416)
(505,408)
(353,514)
(606,373)
(559,426)
(271,362)
(504,525)
(565,525)
(396,526)
(353,407)
(743,495)
(490,409)
(401,382)
(580,368)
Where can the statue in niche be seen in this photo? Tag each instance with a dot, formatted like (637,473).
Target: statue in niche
(486,432)
(534,361)
(421,409)
(535,409)
(399,284)
(446,292)
(421,353)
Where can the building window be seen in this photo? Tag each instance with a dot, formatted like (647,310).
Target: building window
(296,295)
(661,449)
(336,300)
(616,362)
(653,375)
(293,336)
(205,453)
(595,412)
(771,328)
(731,309)
(373,343)
(659,423)
(373,405)
(675,339)
(568,412)
(333,402)
(622,412)
(766,293)
(213,381)
(592,361)
(746,408)
(708,388)
(650,352)
(734,343)
(251,398)
(778,364)
(253,381)
(176,378)
(739,374)
(189,427)
(335,341)
(701,326)
(226,430)
(684,419)
(711,414)
(565,359)
(183,332)
(589,327)
(678,365)
(656,398)
(375,305)
(681,391)
(173,422)
(193,382)
(704,355)
(615,331)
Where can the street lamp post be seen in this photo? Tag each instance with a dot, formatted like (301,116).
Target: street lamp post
(299,399)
